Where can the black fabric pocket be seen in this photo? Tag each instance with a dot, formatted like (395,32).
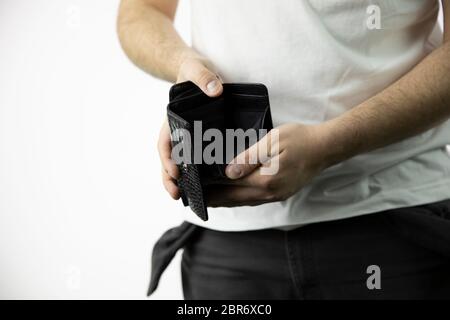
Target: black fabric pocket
(166,248)
(241,106)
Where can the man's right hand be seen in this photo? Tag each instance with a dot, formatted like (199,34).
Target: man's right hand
(199,71)
(148,37)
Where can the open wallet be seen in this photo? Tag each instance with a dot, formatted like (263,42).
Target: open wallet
(241,106)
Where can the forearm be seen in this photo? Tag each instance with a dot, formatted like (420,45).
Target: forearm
(415,103)
(150,40)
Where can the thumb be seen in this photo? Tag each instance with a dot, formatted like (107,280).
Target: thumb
(236,171)
(249,160)
(205,79)
(252,158)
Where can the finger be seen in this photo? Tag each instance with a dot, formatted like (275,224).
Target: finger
(248,161)
(253,179)
(233,196)
(205,79)
(170,185)
(263,176)
(165,152)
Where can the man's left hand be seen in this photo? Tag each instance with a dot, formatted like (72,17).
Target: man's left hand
(293,158)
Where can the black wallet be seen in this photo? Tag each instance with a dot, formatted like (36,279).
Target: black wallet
(241,106)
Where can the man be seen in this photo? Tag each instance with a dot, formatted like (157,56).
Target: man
(360,96)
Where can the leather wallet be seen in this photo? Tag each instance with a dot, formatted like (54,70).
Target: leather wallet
(241,106)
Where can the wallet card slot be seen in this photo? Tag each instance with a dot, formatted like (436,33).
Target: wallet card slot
(247,120)
(204,111)
(248,102)
(247,95)
(248,111)
(188,103)
(246,88)
(183,89)
(187,96)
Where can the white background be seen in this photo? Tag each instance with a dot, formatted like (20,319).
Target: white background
(81,199)
(81,202)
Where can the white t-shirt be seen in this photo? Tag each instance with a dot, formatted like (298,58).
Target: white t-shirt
(320,58)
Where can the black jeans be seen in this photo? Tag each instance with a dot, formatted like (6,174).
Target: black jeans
(330,260)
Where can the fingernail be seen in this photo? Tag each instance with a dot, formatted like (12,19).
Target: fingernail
(212,86)
(234,171)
